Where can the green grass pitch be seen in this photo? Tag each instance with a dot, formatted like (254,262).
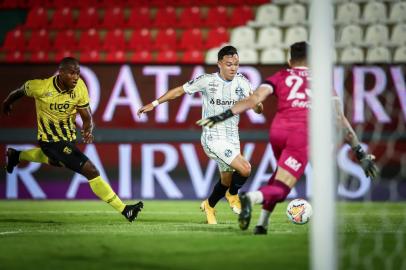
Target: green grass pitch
(173,235)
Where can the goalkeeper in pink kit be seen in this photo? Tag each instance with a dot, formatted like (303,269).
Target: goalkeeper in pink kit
(288,134)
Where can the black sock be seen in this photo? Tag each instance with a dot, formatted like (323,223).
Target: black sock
(218,192)
(237,181)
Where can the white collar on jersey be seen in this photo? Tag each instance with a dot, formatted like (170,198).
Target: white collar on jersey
(301,67)
(218,75)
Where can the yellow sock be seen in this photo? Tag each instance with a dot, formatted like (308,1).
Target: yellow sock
(34,155)
(104,192)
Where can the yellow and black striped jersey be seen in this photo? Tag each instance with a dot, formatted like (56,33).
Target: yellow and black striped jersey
(56,109)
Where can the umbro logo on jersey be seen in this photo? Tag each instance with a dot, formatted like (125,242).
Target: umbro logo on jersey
(293,163)
(212,90)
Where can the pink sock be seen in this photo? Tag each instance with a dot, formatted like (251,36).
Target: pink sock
(274,193)
(270,206)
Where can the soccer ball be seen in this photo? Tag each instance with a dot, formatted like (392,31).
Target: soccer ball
(299,211)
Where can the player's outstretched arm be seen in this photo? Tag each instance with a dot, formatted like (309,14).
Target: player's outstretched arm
(366,161)
(87,128)
(250,102)
(7,105)
(171,94)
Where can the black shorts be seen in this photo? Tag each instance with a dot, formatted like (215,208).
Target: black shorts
(65,154)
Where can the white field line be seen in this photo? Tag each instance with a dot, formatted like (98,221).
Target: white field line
(11,232)
(100,212)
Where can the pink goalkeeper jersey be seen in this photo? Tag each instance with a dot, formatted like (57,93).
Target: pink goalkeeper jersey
(291,88)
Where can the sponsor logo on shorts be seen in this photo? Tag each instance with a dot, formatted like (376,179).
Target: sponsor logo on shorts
(293,164)
(228,153)
(67,150)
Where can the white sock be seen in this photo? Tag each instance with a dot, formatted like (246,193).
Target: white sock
(264,218)
(256,197)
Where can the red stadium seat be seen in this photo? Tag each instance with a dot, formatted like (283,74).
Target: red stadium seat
(216,37)
(165,17)
(65,40)
(192,39)
(60,4)
(90,39)
(166,39)
(157,3)
(191,16)
(37,18)
(113,17)
(88,17)
(217,16)
(60,54)
(139,18)
(9,4)
(15,56)
(167,56)
(35,3)
(114,3)
(90,56)
(14,40)
(117,56)
(241,15)
(141,57)
(62,19)
(193,57)
(39,40)
(87,3)
(114,40)
(40,56)
(140,40)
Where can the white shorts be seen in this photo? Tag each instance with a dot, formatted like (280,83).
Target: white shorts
(222,151)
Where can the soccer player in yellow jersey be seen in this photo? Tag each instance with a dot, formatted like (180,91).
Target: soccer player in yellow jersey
(57,100)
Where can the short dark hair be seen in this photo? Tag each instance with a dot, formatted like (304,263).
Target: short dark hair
(227,50)
(298,50)
(68,61)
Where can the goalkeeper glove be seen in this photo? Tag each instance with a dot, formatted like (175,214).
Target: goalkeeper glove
(366,161)
(211,121)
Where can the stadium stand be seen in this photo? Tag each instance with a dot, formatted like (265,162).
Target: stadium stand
(165,39)
(248,56)
(351,35)
(349,12)
(352,55)
(153,30)
(243,37)
(272,56)
(266,15)
(400,55)
(62,18)
(211,56)
(269,37)
(378,55)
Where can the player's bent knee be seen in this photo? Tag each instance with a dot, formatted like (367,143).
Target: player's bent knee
(89,170)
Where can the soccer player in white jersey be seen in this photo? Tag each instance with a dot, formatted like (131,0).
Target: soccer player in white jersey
(288,134)
(220,91)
